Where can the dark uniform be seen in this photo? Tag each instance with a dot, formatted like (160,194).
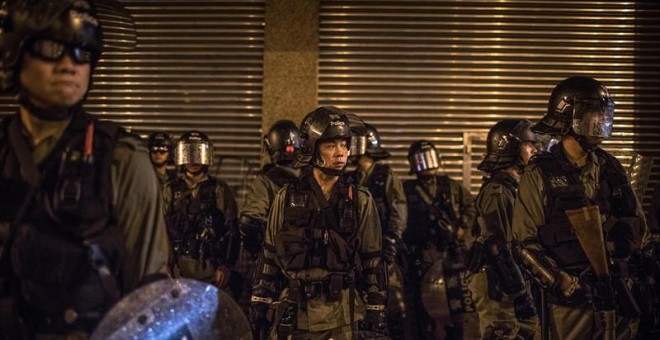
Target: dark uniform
(498,288)
(199,219)
(437,205)
(201,215)
(159,143)
(387,192)
(552,185)
(319,249)
(282,143)
(82,209)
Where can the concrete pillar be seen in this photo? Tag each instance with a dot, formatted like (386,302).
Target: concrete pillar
(291,53)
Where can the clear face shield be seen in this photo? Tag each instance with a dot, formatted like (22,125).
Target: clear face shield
(424,160)
(594,118)
(358,145)
(194,153)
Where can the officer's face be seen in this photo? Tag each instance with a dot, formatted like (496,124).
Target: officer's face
(527,150)
(54,84)
(194,169)
(159,157)
(334,153)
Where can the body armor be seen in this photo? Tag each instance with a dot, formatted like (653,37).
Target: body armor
(65,251)
(565,191)
(424,229)
(319,234)
(196,227)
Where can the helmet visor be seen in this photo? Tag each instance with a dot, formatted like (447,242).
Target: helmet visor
(424,160)
(194,153)
(51,50)
(594,118)
(358,145)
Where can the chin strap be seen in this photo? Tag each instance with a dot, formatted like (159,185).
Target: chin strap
(582,140)
(329,172)
(57,114)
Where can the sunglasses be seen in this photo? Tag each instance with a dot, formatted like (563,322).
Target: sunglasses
(51,50)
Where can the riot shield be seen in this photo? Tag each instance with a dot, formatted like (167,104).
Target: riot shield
(445,293)
(175,309)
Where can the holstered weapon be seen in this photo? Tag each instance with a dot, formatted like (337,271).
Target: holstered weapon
(287,321)
(588,229)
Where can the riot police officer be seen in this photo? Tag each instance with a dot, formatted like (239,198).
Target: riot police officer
(282,142)
(499,290)
(439,211)
(200,215)
(160,152)
(387,191)
(82,212)
(578,176)
(320,230)
(283,145)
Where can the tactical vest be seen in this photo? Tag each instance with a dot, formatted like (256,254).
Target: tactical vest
(564,191)
(279,176)
(195,225)
(317,233)
(68,235)
(378,188)
(423,230)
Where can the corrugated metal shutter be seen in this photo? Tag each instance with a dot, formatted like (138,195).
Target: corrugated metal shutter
(197,65)
(448,70)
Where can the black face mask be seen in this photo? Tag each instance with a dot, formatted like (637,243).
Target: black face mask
(57,114)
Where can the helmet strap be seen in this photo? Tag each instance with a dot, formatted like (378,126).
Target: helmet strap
(582,140)
(320,164)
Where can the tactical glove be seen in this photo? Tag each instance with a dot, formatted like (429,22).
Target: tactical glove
(523,307)
(258,320)
(252,235)
(375,321)
(390,246)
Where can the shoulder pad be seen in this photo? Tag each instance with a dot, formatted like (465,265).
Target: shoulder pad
(364,190)
(495,188)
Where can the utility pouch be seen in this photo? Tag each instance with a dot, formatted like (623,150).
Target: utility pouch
(287,321)
(292,248)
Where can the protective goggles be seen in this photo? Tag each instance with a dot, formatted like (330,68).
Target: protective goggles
(52,50)
(594,117)
(159,149)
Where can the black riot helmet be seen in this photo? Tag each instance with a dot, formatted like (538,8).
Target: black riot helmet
(374,148)
(504,142)
(422,155)
(282,142)
(324,123)
(160,141)
(194,147)
(72,23)
(579,105)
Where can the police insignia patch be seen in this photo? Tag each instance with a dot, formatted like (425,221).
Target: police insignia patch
(559,181)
